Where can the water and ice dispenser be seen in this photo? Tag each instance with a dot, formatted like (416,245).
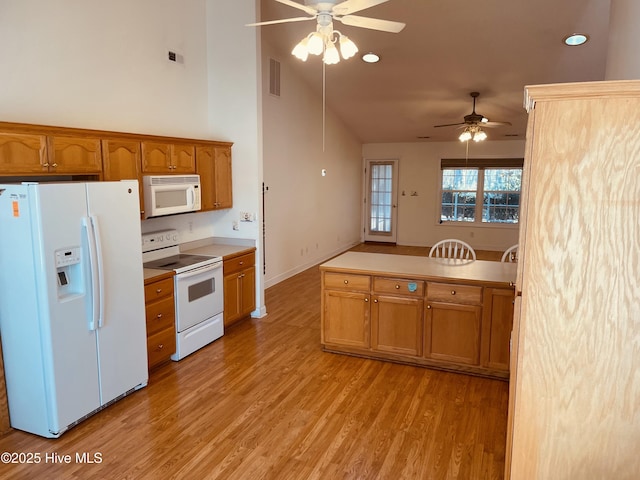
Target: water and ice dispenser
(68,271)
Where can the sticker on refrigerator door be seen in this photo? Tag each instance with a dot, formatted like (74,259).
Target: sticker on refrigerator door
(16,208)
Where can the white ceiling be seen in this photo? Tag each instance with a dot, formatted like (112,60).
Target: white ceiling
(448,49)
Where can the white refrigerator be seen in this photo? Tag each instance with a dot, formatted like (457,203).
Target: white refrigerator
(72,314)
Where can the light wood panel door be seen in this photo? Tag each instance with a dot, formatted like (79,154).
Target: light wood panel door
(168,158)
(396,324)
(23,154)
(183,158)
(213,164)
(239,287)
(497,320)
(574,411)
(453,332)
(75,155)
(121,161)
(346,319)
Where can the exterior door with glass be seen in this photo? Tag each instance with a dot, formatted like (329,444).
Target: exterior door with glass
(381,178)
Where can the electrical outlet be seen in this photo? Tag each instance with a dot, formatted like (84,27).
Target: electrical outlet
(246,217)
(236,226)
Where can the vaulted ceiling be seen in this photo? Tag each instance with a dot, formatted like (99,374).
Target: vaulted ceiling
(448,49)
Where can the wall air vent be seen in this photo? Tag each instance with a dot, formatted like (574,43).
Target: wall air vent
(274,77)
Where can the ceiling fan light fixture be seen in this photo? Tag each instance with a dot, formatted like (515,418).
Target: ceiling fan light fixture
(465,136)
(315,44)
(479,136)
(347,48)
(331,55)
(301,51)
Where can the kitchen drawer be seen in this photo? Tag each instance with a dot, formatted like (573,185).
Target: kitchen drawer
(159,289)
(453,293)
(347,281)
(395,286)
(239,263)
(160,315)
(161,346)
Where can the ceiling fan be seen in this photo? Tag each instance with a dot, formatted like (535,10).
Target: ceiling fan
(325,11)
(475,119)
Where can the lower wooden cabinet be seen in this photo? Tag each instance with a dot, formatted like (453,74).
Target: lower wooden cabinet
(454,316)
(346,317)
(160,314)
(452,326)
(239,287)
(397,316)
(453,332)
(497,323)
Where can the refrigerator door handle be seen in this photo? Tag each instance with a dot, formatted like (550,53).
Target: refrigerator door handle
(100,263)
(93,262)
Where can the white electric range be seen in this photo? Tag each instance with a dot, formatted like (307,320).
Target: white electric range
(198,294)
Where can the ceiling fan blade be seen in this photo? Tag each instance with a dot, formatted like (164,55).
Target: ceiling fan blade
(372,23)
(449,125)
(495,124)
(352,6)
(299,6)
(283,20)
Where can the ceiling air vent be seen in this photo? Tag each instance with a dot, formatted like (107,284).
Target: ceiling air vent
(274,77)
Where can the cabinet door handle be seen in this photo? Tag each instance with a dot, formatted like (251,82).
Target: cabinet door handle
(158,290)
(429,307)
(346,282)
(46,164)
(159,315)
(366,300)
(54,165)
(240,263)
(453,292)
(161,346)
(375,301)
(397,287)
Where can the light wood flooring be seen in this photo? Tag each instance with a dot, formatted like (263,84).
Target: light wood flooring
(265,402)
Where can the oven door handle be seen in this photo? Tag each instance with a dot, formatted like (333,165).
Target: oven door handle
(199,271)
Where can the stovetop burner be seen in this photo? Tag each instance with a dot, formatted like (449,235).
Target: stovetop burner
(175,262)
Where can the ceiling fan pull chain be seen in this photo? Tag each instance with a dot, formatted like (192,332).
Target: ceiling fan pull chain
(324,102)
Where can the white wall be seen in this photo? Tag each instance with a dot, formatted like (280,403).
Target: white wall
(104,65)
(623,61)
(419,171)
(309,217)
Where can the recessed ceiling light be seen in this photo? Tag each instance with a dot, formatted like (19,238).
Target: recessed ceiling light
(575,39)
(370,57)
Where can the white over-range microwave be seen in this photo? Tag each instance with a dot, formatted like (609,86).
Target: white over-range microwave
(170,194)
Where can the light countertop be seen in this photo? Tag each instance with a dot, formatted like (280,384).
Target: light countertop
(220,250)
(214,247)
(481,271)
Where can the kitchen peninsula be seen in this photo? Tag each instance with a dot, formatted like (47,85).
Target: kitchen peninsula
(447,314)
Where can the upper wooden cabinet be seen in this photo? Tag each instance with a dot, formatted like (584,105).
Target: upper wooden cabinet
(121,161)
(168,158)
(23,153)
(79,154)
(213,164)
(75,155)
(29,154)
